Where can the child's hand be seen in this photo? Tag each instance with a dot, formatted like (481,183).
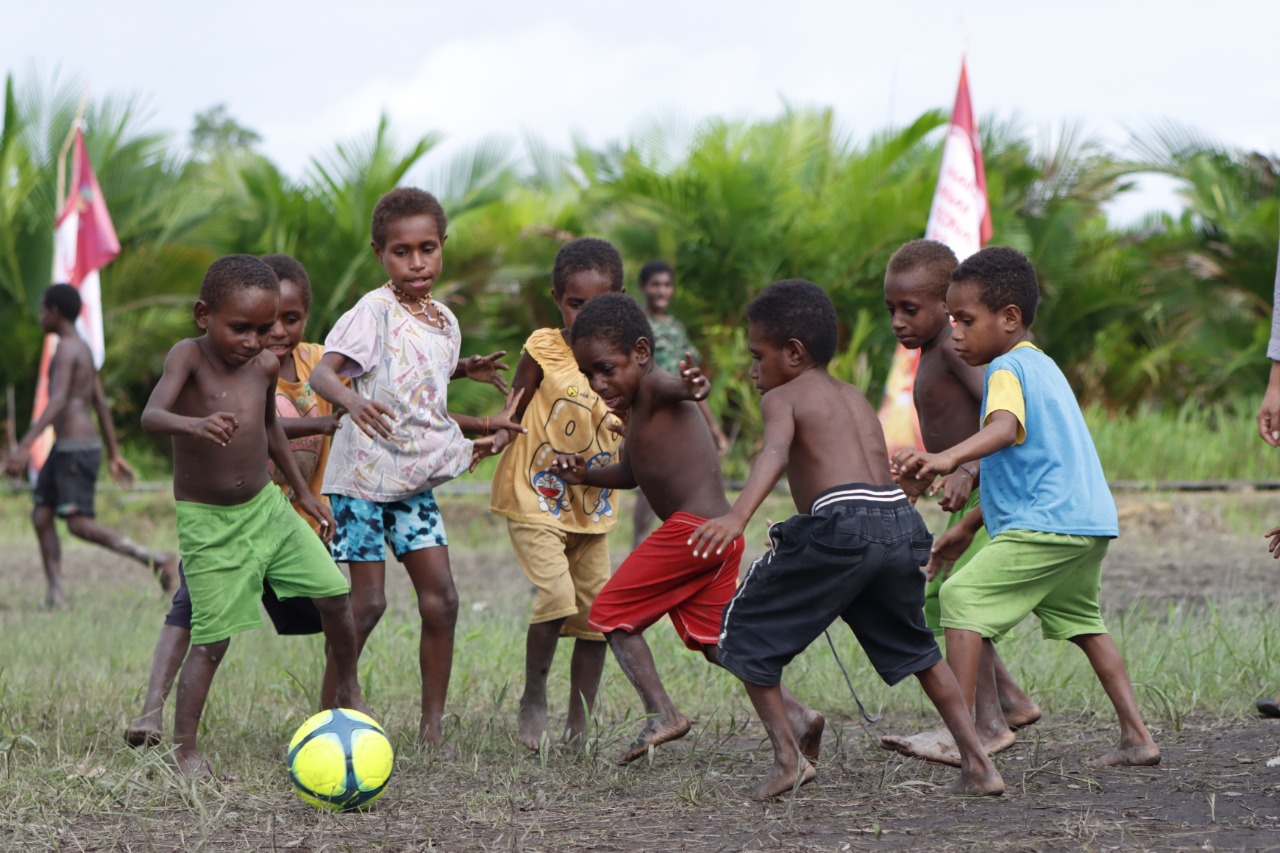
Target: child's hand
(374,419)
(317,510)
(913,487)
(615,424)
(484,368)
(1274,535)
(329,424)
(948,548)
(715,535)
(698,386)
(121,471)
(504,421)
(571,468)
(956,488)
(17,462)
(218,428)
(918,464)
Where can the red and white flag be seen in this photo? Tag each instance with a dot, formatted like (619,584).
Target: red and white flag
(960,218)
(84,241)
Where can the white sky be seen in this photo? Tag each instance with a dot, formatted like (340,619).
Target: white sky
(305,75)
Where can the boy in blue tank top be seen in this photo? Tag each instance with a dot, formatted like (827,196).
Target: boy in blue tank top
(1045,501)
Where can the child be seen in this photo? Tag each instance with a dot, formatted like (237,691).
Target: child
(1045,500)
(670,344)
(558,531)
(854,551)
(65,485)
(948,394)
(400,347)
(235,527)
(671,455)
(308,422)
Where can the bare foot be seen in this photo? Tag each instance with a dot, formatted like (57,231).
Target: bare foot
(167,572)
(937,746)
(977,785)
(142,734)
(656,731)
(195,765)
(1144,755)
(532,724)
(1021,716)
(998,742)
(780,780)
(808,733)
(55,599)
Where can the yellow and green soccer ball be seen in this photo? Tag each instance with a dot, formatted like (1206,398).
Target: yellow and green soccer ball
(340,760)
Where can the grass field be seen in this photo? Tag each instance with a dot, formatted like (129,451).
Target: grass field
(1191,600)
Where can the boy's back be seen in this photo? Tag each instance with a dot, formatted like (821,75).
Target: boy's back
(75,420)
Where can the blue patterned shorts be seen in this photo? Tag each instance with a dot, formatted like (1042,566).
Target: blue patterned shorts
(412,524)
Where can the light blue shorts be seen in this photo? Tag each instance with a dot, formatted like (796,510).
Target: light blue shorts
(366,528)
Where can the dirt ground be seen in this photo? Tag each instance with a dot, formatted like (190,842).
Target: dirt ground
(1216,789)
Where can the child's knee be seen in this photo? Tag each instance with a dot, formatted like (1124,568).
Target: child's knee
(438,604)
(369,608)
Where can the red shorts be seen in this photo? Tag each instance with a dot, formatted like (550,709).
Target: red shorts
(663,577)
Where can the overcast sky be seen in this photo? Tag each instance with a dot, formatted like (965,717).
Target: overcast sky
(305,75)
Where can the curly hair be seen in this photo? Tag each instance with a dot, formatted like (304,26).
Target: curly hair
(587,254)
(612,317)
(235,272)
(653,268)
(286,267)
(798,309)
(1005,276)
(936,259)
(63,298)
(401,203)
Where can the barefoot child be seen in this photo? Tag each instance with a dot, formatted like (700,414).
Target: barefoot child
(558,531)
(670,345)
(399,347)
(235,527)
(671,455)
(948,394)
(854,551)
(1045,500)
(65,486)
(308,422)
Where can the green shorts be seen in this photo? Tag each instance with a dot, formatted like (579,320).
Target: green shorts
(227,552)
(1055,576)
(932,609)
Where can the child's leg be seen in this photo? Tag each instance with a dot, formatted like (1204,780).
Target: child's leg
(42,518)
(585,670)
(665,722)
(171,651)
(539,652)
(368,603)
(988,717)
(163,563)
(1136,744)
(978,776)
(790,768)
(193,690)
(807,725)
(438,606)
(1018,708)
(343,650)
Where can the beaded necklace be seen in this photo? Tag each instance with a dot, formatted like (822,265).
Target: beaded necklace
(424,303)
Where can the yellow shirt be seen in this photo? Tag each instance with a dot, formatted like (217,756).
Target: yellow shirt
(564,416)
(311,452)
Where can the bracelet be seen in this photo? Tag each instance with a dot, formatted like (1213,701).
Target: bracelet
(972,476)
(485,426)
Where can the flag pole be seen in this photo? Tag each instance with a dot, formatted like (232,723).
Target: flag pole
(60,198)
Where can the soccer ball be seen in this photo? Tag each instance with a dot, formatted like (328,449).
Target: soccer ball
(340,760)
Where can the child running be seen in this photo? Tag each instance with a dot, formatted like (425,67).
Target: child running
(308,422)
(400,347)
(557,530)
(235,527)
(948,395)
(854,551)
(1045,500)
(671,455)
(65,486)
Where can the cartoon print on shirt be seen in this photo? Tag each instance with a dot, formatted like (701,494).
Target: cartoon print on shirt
(569,430)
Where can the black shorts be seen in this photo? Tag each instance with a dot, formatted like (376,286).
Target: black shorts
(66,481)
(857,556)
(291,617)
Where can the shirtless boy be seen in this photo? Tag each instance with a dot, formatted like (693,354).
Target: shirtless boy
(854,551)
(235,527)
(948,396)
(66,483)
(671,454)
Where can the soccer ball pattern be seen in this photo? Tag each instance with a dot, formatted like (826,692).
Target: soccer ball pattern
(340,760)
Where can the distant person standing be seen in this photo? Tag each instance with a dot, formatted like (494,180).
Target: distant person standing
(670,343)
(1269,429)
(65,487)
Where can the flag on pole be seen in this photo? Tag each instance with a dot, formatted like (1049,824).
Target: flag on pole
(84,241)
(960,218)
